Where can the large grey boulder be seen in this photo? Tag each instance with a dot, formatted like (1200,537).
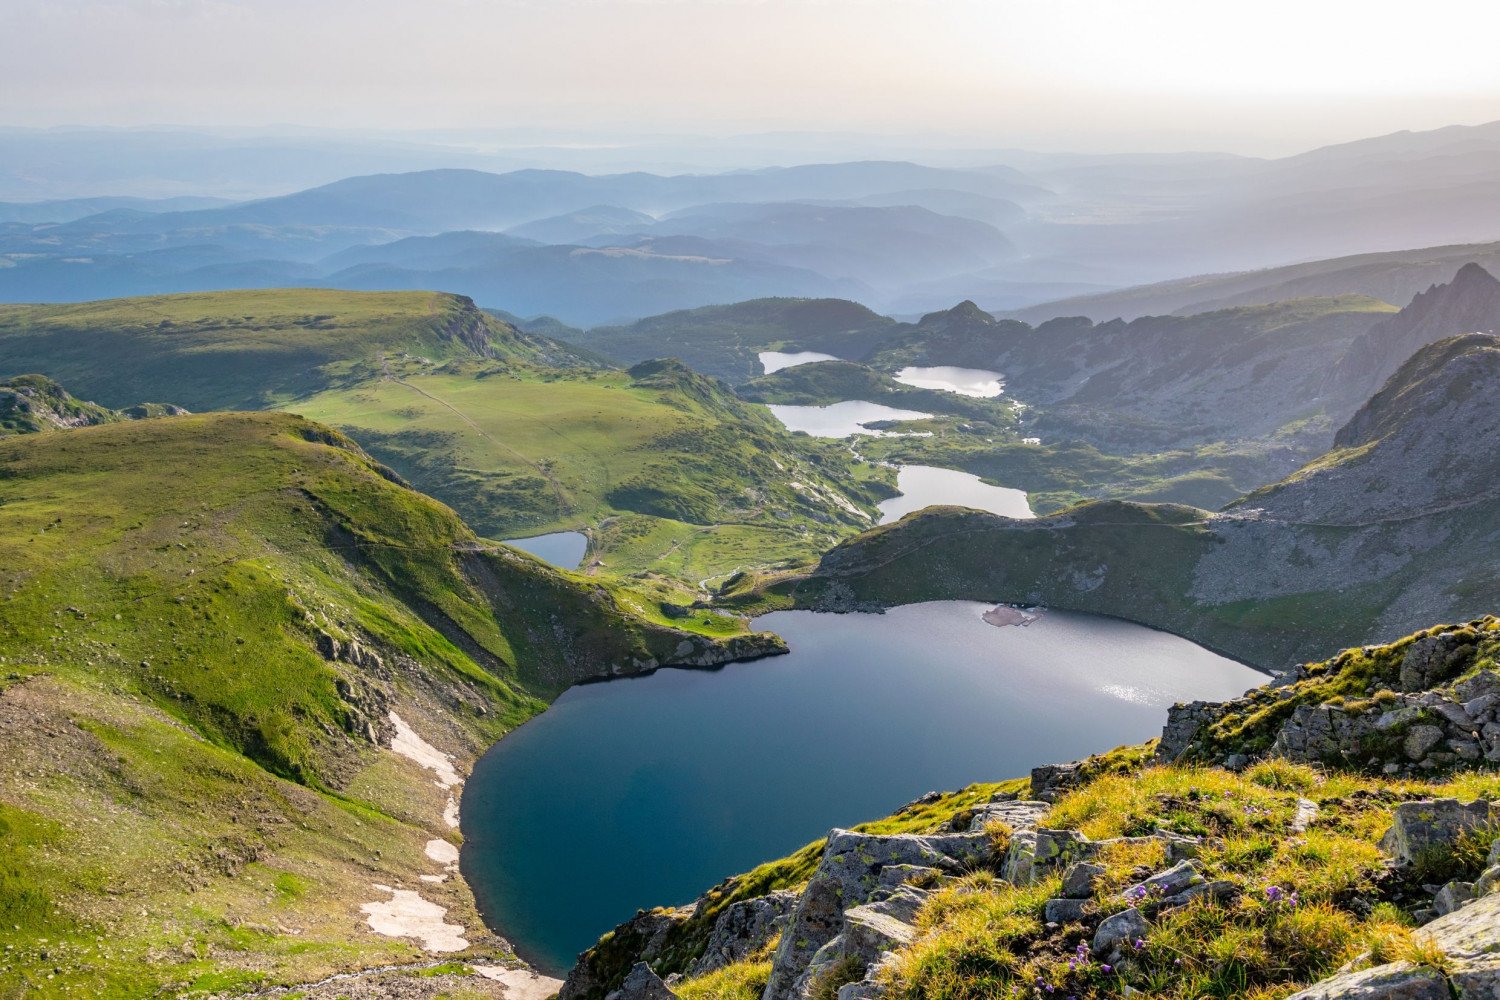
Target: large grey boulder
(847,876)
(1396,981)
(1470,941)
(1426,824)
(743,929)
(1174,880)
(1064,910)
(1079,880)
(1119,931)
(1435,658)
(1018,814)
(1452,897)
(642,984)
(870,932)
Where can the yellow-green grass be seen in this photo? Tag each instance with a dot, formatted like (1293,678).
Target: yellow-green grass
(237,350)
(520,434)
(981,937)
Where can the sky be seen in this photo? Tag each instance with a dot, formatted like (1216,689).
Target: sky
(1266,78)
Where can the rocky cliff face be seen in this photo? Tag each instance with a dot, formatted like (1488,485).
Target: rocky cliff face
(1470,303)
(1415,447)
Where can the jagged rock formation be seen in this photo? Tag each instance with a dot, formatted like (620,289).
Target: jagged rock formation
(1427,703)
(1470,303)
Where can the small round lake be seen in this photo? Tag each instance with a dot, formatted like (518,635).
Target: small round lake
(925,486)
(646,791)
(563,549)
(838,420)
(964,381)
(774,361)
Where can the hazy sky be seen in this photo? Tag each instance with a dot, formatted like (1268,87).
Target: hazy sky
(1260,76)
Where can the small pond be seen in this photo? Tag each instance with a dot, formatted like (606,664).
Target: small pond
(925,486)
(964,381)
(564,549)
(838,420)
(774,361)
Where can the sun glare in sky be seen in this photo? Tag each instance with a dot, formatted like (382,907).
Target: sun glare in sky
(1263,77)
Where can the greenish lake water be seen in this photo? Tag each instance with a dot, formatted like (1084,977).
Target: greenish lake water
(645,791)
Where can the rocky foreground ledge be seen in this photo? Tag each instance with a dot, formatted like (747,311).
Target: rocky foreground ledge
(1257,850)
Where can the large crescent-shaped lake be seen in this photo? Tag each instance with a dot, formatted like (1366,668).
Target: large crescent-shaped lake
(646,791)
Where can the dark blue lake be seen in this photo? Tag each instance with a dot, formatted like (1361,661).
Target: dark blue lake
(645,791)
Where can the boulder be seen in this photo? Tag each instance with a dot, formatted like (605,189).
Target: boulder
(1430,823)
(642,984)
(1452,896)
(1064,911)
(1433,659)
(1420,741)
(1184,722)
(1485,682)
(847,876)
(1049,781)
(743,929)
(1396,981)
(1171,882)
(1018,815)
(1470,937)
(1078,880)
(870,932)
(1118,931)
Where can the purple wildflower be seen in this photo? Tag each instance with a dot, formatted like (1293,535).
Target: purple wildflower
(1106,969)
(1140,943)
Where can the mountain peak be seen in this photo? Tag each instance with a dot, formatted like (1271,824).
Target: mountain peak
(1473,273)
(1416,446)
(965,312)
(1470,303)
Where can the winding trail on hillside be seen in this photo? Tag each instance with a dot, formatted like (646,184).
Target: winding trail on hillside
(564,506)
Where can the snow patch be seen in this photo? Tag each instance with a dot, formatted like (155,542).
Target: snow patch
(406,914)
(408,744)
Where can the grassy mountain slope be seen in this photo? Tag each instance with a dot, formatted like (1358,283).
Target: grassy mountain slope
(205,622)
(1366,543)
(247,350)
(518,432)
(668,471)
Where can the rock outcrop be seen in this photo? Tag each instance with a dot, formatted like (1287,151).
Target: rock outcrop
(1432,704)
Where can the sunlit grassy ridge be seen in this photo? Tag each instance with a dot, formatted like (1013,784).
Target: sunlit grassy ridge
(981,937)
(193,798)
(521,434)
(668,469)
